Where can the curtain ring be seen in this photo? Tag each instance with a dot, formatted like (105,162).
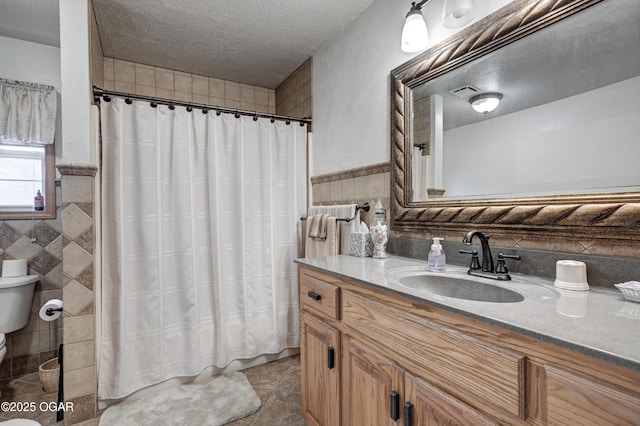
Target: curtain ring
(153,104)
(255,117)
(218,112)
(189,109)
(273,120)
(237,114)
(106,98)
(128,101)
(302,124)
(288,122)
(204,110)
(171,107)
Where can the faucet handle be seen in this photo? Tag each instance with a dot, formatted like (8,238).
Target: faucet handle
(475,263)
(501,268)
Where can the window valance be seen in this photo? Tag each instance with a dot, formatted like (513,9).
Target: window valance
(27,112)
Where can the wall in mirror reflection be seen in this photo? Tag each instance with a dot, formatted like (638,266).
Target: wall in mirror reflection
(581,144)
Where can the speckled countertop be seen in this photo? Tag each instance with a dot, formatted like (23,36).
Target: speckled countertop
(598,322)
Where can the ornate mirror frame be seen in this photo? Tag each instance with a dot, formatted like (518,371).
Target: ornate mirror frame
(613,216)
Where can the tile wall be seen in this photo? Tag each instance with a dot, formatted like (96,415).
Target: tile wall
(78,232)
(359,185)
(294,95)
(38,342)
(146,80)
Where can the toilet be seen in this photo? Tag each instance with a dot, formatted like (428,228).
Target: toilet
(16,295)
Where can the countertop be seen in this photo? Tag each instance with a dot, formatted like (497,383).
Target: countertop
(599,322)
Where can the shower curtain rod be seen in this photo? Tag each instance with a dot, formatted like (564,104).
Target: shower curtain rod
(106,96)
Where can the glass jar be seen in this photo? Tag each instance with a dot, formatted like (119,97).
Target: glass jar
(379,231)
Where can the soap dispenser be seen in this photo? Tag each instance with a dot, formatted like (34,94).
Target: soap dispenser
(379,231)
(436,259)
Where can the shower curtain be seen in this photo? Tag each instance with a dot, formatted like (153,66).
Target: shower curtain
(200,213)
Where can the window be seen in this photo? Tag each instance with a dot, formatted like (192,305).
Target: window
(27,155)
(25,170)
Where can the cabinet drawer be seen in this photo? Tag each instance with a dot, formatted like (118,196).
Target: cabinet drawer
(319,296)
(573,399)
(475,371)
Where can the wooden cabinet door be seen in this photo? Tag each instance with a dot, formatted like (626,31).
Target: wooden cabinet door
(320,371)
(428,406)
(373,387)
(574,399)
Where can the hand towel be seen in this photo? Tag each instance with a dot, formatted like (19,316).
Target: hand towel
(330,246)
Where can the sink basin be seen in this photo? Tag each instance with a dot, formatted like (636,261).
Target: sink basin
(460,288)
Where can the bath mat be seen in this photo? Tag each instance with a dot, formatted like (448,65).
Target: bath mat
(223,399)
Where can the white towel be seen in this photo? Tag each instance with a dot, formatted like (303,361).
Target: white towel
(330,246)
(342,211)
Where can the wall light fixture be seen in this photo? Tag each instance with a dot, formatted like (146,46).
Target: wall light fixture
(414,33)
(457,13)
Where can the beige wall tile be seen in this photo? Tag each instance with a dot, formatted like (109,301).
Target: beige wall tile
(184,97)
(164,93)
(145,90)
(124,87)
(229,103)
(79,382)
(261,96)
(164,79)
(109,85)
(347,189)
(183,82)
(24,344)
(216,101)
(216,88)
(108,68)
(75,221)
(232,91)
(77,189)
(77,298)
(247,93)
(78,329)
(200,85)
(200,99)
(335,191)
(145,75)
(247,106)
(79,355)
(123,71)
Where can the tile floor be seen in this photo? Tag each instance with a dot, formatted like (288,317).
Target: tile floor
(276,383)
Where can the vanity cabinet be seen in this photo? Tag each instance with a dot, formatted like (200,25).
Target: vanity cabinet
(398,361)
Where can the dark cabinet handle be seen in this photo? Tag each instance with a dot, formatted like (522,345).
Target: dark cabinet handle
(394,405)
(331,357)
(407,413)
(314,295)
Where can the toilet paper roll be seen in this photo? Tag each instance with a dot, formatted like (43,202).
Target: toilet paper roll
(14,268)
(56,310)
(571,275)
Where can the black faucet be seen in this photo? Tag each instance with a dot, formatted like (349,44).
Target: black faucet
(486,270)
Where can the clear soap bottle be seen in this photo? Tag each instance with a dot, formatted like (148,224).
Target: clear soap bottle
(436,260)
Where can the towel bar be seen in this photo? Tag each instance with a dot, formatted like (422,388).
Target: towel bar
(364,207)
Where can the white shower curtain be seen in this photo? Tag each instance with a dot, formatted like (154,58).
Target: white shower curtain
(199,235)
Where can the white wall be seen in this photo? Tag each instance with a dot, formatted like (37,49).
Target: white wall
(35,63)
(543,149)
(351,83)
(76,82)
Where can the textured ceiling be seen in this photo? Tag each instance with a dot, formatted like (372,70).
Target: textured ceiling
(249,41)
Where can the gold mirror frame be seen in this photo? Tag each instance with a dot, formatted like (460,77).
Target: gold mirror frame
(613,216)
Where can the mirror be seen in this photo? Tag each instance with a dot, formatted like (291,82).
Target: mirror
(559,151)
(566,122)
